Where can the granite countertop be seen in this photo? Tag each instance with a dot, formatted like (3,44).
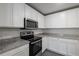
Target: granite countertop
(64,36)
(9,44)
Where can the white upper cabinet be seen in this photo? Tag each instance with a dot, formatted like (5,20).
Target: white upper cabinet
(34,15)
(11,15)
(18,15)
(30,13)
(71,18)
(41,21)
(55,20)
(66,19)
(27,11)
(5,15)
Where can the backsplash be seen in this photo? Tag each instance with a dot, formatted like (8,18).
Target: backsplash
(9,33)
(35,31)
(69,31)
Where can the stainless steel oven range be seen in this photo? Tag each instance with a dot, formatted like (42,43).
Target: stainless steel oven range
(35,45)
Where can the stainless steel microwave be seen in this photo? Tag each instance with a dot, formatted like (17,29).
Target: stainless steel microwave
(31,24)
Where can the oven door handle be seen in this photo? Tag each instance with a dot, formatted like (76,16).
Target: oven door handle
(35,42)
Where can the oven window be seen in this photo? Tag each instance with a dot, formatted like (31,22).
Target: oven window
(36,47)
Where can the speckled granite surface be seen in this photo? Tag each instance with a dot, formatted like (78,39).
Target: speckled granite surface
(9,44)
(64,36)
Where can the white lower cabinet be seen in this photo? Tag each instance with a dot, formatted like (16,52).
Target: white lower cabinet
(62,46)
(57,45)
(24,52)
(68,47)
(44,43)
(73,47)
(52,44)
(20,51)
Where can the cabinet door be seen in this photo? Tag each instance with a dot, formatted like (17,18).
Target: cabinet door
(23,50)
(40,20)
(44,44)
(57,45)
(55,20)
(5,15)
(52,44)
(27,11)
(31,13)
(73,47)
(34,14)
(18,15)
(48,21)
(58,20)
(62,46)
(71,18)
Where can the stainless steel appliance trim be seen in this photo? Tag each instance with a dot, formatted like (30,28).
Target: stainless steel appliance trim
(35,42)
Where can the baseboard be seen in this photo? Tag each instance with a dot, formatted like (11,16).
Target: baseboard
(39,54)
(57,52)
(44,51)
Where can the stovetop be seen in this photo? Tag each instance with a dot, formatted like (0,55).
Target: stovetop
(31,38)
(29,35)
(35,38)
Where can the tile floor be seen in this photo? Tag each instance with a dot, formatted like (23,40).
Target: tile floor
(50,53)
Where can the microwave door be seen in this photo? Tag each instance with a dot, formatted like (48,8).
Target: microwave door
(36,25)
(30,24)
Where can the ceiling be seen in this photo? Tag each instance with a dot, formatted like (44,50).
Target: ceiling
(48,8)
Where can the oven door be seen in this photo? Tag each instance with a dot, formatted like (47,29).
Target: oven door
(35,47)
